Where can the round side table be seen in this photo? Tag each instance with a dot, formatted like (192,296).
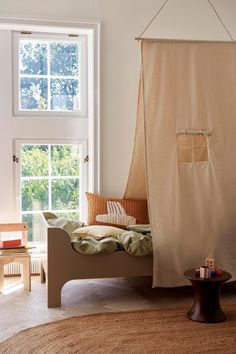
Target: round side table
(206,304)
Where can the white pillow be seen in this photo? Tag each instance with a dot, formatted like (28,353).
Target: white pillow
(97,231)
(68,225)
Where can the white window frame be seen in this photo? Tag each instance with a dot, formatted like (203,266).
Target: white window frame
(91,120)
(83,68)
(92,30)
(83,176)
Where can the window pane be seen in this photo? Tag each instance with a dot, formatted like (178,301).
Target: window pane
(34,194)
(33,57)
(65,194)
(30,154)
(65,160)
(50,177)
(64,59)
(69,216)
(33,221)
(65,94)
(33,93)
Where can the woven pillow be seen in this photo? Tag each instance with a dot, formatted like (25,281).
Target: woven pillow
(114,211)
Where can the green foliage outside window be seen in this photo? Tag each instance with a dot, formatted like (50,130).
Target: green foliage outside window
(33,57)
(65,160)
(49,75)
(34,195)
(50,177)
(65,194)
(34,160)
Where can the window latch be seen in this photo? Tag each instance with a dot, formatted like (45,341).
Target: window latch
(15,159)
(86,159)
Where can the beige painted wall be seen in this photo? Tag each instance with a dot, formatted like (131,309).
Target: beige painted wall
(121,21)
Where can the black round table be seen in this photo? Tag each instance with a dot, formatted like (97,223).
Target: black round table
(206,304)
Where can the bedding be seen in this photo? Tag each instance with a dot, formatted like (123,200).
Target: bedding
(91,246)
(97,231)
(143,228)
(61,263)
(134,243)
(67,225)
(100,239)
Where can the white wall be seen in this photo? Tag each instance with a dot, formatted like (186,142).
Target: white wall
(121,21)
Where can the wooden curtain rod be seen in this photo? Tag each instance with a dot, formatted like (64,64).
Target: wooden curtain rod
(182,40)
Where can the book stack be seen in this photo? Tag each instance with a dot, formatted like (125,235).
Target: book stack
(13,246)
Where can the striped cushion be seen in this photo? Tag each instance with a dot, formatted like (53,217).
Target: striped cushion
(114,211)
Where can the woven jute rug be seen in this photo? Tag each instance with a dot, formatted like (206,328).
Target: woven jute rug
(136,332)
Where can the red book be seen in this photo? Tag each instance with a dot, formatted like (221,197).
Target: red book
(10,243)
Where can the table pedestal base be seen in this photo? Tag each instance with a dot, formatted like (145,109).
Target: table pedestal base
(206,304)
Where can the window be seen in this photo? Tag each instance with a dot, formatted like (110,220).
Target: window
(50,74)
(56,183)
(55,70)
(192,146)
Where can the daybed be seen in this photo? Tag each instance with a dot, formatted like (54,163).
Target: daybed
(61,263)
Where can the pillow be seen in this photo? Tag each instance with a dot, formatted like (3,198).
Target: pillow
(68,225)
(48,215)
(97,231)
(142,228)
(118,212)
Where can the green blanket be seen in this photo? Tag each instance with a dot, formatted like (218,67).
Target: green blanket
(134,243)
(89,245)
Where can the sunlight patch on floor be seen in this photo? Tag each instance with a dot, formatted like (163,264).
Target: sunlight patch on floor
(10,288)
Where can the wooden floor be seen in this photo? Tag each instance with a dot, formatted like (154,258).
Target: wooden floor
(22,309)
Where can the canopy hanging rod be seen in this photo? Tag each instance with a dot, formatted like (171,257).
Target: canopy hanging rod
(183,40)
(212,7)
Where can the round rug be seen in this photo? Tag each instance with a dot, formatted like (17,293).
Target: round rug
(136,332)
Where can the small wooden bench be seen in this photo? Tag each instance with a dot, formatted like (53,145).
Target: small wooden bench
(24,258)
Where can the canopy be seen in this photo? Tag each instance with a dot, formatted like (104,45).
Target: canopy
(184,155)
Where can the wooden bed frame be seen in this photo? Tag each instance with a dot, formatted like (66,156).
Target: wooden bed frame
(60,263)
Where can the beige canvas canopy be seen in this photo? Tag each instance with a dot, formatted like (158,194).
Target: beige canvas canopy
(184,154)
